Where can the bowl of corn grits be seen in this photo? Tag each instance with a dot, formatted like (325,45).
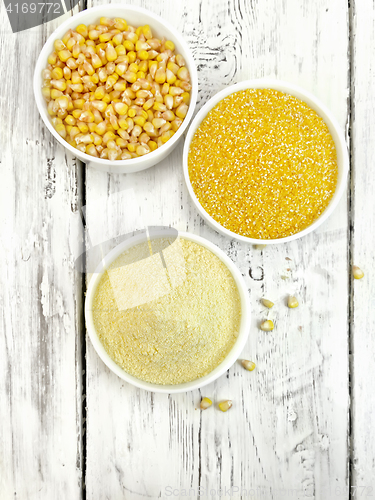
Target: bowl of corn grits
(167,314)
(265,162)
(116,85)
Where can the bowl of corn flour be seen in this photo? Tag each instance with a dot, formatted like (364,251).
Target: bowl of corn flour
(167,314)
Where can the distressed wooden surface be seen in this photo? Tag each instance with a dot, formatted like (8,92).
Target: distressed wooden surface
(288,434)
(288,428)
(362,249)
(40,297)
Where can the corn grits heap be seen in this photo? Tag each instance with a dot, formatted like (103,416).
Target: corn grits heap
(263,164)
(183,332)
(115,91)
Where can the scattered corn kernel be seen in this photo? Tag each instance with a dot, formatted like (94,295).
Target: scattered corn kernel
(292,302)
(225,405)
(267,303)
(267,326)
(249,365)
(205,403)
(357,273)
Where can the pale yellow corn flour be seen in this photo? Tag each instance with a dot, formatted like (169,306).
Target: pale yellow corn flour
(186,330)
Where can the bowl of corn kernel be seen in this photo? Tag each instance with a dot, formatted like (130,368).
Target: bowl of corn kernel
(265,162)
(116,85)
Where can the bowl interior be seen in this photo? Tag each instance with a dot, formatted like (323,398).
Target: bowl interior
(220,369)
(135,16)
(318,107)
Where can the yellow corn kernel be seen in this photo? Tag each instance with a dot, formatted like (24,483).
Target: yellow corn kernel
(140,75)
(87,117)
(132,56)
(169,45)
(267,326)
(91,150)
(183,74)
(105,37)
(180,60)
(167,135)
(225,405)
(110,53)
(130,77)
(182,110)
(101,128)
(108,136)
(106,21)
(52,58)
(77,113)
(171,77)
(56,93)
(121,108)
(64,55)
(292,302)
(142,150)
(357,273)
(205,403)
(59,45)
(83,127)
(78,103)
(61,130)
(158,122)
(129,46)
(186,97)
(75,131)
(173,67)
(131,113)
(120,24)
(158,106)
(248,365)
(142,55)
(131,147)
(152,145)
(176,124)
(139,120)
(57,73)
(148,104)
(99,105)
(120,49)
(46,93)
(267,303)
(160,75)
(82,30)
(68,127)
(146,30)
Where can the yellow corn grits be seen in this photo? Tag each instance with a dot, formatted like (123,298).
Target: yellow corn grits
(263,164)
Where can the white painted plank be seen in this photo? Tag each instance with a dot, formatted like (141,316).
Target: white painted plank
(288,427)
(40,359)
(362,254)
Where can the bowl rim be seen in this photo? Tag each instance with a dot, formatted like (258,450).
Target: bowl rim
(231,357)
(318,107)
(133,162)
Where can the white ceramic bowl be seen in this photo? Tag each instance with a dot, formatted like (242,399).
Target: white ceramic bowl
(316,105)
(188,386)
(135,16)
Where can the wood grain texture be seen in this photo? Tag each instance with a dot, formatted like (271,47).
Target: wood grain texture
(362,253)
(287,433)
(40,384)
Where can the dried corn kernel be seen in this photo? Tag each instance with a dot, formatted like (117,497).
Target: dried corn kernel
(267,303)
(225,405)
(205,403)
(248,365)
(292,302)
(272,172)
(357,273)
(267,326)
(107,90)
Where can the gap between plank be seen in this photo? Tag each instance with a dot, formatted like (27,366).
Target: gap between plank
(351,113)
